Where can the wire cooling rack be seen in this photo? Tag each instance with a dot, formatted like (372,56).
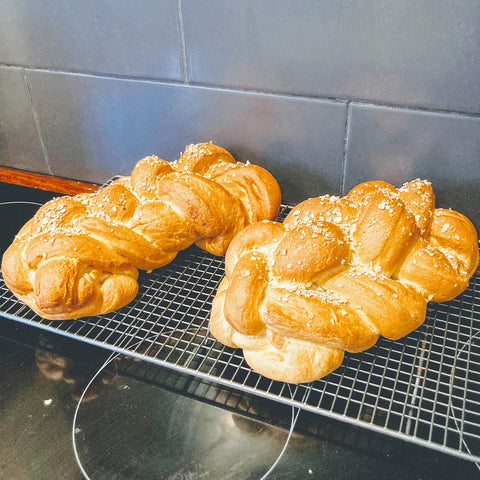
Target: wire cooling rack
(424,388)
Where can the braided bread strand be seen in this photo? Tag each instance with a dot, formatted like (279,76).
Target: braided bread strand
(80,255)
(337,274)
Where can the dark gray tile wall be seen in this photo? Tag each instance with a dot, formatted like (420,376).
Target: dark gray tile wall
(407,52)
(118,37)
(324,94)
(404,144)
(20,143)
(96,127)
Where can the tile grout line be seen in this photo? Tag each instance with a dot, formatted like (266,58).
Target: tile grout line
(345,147)
(183,48)
(36,119)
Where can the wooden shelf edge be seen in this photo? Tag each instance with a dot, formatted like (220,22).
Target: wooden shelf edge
(45,182)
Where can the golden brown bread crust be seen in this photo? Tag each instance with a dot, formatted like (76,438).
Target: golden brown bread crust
(337,274)
(80,255)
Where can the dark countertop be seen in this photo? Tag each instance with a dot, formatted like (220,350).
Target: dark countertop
(143,421)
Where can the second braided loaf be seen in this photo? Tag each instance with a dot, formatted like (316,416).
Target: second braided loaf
(337,274)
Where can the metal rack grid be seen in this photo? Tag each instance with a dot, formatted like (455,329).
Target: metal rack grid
(424,388)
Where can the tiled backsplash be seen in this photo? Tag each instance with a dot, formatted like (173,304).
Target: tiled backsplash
(324,94)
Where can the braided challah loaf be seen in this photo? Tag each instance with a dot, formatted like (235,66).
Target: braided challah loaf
(79,255)
(339,272)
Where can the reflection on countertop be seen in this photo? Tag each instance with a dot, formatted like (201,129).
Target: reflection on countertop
(74,374)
